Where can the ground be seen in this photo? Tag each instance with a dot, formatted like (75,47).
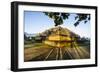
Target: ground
(43,52)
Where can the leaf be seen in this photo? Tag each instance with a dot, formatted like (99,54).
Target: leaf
(76,17)
(89,18)
(77,23)
(64,15)
(46,13)
(85,21)
(56,13)
(58,21)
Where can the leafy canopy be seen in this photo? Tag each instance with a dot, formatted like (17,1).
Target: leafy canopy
(60,17)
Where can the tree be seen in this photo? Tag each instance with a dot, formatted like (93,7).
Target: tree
(81,17)
(60,17)
(57,17)
(25,37)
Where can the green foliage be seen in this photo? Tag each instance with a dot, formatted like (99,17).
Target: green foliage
(60,17)
(57,17)
(81,17)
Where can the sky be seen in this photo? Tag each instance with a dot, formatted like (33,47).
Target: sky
(36,22)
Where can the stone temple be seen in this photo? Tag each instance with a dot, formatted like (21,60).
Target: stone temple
(60,37)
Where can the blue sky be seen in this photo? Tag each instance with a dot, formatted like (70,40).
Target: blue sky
(36,22)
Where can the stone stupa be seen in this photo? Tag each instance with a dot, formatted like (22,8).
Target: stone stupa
(60,37)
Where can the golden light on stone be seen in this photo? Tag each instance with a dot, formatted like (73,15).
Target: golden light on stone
(60,37)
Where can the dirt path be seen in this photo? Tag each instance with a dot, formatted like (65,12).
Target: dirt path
(46,53)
